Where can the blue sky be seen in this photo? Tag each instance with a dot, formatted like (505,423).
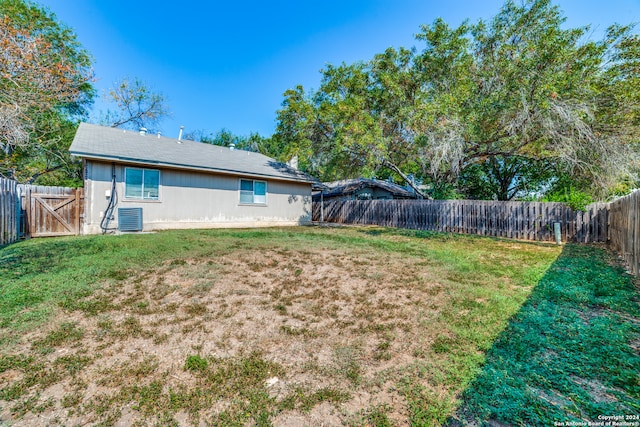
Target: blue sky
(227,64)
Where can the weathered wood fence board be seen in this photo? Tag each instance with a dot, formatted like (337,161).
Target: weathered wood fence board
(624,229)
(9,212)
(52,211)
(516,220)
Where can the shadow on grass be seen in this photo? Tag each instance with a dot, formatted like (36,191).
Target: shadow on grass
(571,354)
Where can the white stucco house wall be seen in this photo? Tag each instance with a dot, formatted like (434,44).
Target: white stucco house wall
(138,182)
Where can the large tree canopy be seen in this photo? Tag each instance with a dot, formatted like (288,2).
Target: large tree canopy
(45,86)
(494,109)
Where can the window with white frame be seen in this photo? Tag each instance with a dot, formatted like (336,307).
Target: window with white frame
(253,192)
(141,184)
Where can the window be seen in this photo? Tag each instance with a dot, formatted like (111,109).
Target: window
(253,192)
(142,184)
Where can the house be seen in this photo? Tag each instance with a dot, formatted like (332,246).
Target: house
(135,181)
(362,189)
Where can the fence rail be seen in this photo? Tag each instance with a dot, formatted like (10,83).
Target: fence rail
(625,230)
(517,220)
(9,212)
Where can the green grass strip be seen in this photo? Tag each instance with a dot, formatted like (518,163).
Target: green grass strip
(571,352)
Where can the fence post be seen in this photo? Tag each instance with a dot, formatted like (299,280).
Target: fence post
(78,222)
(633,235)
(18,211)
(8,217)
(557,233)
(28,222)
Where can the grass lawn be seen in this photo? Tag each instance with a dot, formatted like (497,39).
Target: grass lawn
(311,326)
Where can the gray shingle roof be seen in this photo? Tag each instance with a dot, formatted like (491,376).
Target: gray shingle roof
(350,186)
(109,144)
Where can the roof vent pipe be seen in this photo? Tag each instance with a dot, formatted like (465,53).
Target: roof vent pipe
(159,133)
(180,134)
(143,131)
(232,146)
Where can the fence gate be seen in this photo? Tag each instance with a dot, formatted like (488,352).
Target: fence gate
(52,211)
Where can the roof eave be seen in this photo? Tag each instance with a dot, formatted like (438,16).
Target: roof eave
(189,167)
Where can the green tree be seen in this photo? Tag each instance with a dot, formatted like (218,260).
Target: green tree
(45,88)
(296,132)
(354,124)
(506,178)
(256,143)
(513,105)
(533,94)
(225,138)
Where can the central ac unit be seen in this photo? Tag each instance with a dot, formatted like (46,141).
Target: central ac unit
(130,219)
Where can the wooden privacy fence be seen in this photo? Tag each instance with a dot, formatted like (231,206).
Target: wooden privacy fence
(517,220)
(9,212)
(52,211)
(624,229)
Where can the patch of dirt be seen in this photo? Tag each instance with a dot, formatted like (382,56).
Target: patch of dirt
(330,318)
(598,391)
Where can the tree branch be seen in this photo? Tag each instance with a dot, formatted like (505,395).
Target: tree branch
(397,170)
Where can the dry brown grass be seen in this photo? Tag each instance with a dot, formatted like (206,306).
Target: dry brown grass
(351,332)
